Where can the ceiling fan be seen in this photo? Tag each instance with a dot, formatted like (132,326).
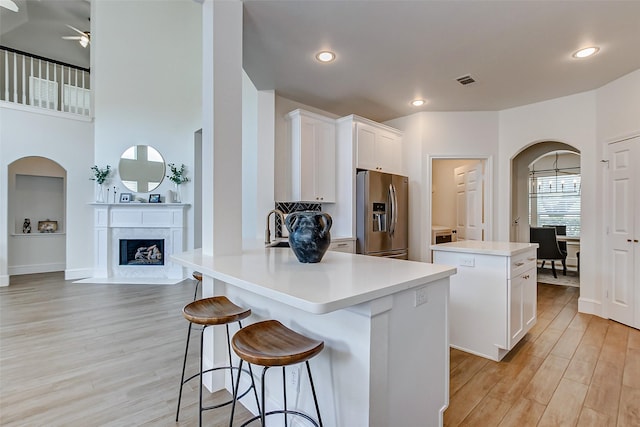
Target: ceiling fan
(83,37)
(9,4)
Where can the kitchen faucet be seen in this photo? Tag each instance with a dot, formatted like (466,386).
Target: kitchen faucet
(267,232)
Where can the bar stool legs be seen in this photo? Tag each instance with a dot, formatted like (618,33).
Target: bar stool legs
(271,344)
(263,414)
(209,312)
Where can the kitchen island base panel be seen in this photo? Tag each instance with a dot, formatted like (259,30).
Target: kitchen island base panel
(382,361)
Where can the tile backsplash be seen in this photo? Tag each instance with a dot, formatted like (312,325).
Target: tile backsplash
(288,207)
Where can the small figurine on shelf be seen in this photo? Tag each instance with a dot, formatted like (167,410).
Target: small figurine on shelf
(26,227)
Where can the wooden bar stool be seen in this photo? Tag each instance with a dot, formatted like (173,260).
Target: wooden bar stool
(198,276)
(269,344)
(210,312)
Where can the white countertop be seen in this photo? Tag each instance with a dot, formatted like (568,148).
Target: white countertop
(487,248)
(339,281)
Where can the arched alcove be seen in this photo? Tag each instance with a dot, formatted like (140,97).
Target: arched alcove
(519,184)
(37,192)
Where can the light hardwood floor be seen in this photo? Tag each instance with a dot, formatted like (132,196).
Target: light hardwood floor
(572,369)
(110,355)
(96,355)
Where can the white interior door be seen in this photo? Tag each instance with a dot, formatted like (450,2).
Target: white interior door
(469,202)
(622,249)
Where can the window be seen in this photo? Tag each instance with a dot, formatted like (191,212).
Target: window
(555,200)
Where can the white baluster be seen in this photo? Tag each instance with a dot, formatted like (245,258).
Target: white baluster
(62,107)
(46,64)
(39,83)
(75,104)
(84,98)
(15,77)
(6,75)
(55,79)
(24,80)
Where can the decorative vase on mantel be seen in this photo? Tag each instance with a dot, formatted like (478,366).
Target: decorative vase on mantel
(100,196)
(177,194)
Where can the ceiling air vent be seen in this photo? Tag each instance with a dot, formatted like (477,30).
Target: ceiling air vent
(465,80)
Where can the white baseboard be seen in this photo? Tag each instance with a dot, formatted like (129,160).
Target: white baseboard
(78,273)
(4,280)
(35,268)
(590,306)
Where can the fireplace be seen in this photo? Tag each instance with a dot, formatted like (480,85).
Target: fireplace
(142,252)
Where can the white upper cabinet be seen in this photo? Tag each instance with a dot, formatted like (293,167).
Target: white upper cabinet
(378,147)
(313,157)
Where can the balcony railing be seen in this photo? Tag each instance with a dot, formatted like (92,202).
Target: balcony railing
(39,82)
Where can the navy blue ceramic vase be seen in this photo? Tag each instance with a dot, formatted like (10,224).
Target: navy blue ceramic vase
(309,236)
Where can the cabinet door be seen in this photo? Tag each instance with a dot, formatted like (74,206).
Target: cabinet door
(306,184)
(389,152)
(522,305)
(325,163)
(516,312)
(313,168)
(366,147)
(530,302)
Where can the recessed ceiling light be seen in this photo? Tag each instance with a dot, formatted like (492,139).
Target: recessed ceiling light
(325,56)
(418,102)
(586,52)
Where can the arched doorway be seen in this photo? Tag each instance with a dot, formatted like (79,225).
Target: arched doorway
(36,216)
(546,190)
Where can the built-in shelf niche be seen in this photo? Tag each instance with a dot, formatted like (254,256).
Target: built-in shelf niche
(38,198)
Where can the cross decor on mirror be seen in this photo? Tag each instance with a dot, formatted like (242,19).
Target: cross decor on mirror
(177,177)
(100,177)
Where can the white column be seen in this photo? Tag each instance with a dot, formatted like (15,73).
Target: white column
(222,127)
(221,151)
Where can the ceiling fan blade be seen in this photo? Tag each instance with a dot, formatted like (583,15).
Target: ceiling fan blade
(74,29)
(71,37)
(9,4)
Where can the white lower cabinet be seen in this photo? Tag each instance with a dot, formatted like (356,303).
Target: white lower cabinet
(493,296)
(343,245)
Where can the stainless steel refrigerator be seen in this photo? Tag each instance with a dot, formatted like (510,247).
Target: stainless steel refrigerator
(382,205)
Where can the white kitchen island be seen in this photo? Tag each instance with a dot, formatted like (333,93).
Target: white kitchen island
(384,323)
(494,295)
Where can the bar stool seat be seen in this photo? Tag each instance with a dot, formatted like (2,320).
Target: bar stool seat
(270,344)
(218,310)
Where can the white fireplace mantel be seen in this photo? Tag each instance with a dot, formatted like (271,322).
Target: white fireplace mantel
(113,222)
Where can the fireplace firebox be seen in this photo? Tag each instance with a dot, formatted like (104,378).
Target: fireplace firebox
(141,252)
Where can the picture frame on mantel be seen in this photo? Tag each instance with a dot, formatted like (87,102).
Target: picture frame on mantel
(154,198)
(125,197)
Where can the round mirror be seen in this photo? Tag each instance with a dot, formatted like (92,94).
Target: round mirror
(141,168)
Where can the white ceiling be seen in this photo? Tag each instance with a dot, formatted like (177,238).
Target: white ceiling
(389,52)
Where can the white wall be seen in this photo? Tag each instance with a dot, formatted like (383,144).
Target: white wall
(570,120)
(68,142)
(428,135)
(147,67)
(618,113)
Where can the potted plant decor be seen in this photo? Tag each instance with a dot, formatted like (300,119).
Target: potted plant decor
(177,177)
(100,177)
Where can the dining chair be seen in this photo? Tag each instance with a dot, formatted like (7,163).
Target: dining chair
(561,230)
(548,248)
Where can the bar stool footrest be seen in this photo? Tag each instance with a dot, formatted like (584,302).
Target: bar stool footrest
(282,411)
(228,402)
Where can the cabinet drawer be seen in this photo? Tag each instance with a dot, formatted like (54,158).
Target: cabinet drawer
(343,246)
(521,263)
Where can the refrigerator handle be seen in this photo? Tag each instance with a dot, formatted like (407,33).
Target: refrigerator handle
(395,208)
(393,214)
